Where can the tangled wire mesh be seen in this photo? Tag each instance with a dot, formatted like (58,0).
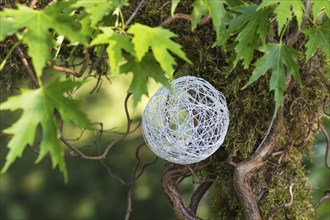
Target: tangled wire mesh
(186,124)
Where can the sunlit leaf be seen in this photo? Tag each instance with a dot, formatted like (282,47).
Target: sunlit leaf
(174,5)
(99,8)
(37,24)
(117,43)
(159,40)
(142,71)
(216,9)
(318,6)
(38,109)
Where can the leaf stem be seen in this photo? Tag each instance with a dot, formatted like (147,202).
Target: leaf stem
(8,55)
(282,34)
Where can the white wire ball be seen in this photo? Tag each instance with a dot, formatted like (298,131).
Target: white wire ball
(186,124)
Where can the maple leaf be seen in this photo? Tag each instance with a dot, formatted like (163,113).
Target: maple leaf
(252,26)
(117,43)
(215,8)
(319,37)
(277,57)
(142,71)
(37,24)
(97,9)
(38,109)
(284,11)
(318,6)
(159,40)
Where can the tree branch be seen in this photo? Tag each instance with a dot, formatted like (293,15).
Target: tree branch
(245,170)
(198,195)
(170,186)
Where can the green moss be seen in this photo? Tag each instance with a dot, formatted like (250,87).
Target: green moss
(251,111)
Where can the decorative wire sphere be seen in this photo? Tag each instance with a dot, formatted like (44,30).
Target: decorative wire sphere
(186,124)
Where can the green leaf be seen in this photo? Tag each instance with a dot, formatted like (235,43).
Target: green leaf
(252,26)
(318,6)
(117,43)
(100,8)
(216,9)
(277,57)
(38,109)
(159,40)
(142,71)
(174,5)
(319,37)
(37,24)
(285,11)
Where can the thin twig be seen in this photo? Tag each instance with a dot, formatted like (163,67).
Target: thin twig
(135,177)
(323,199)
(73,72)
(176,16)
(104,154)
(285,205)
(267,132)
(130,19)
(327,149)
(27,67)
(107,167)
(230,160)
(131,188)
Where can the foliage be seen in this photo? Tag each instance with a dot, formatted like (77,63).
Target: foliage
(37,24)
(276,57)
(38,109)
(318,38)
(253,37)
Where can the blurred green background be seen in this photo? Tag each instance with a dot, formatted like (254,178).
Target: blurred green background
(29,191)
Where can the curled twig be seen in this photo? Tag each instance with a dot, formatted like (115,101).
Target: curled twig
(176,16)
(323,199)
(73,72)
(327,149)
(107,167)
(135,177)
(104,154)
(309,124)
(285,205)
